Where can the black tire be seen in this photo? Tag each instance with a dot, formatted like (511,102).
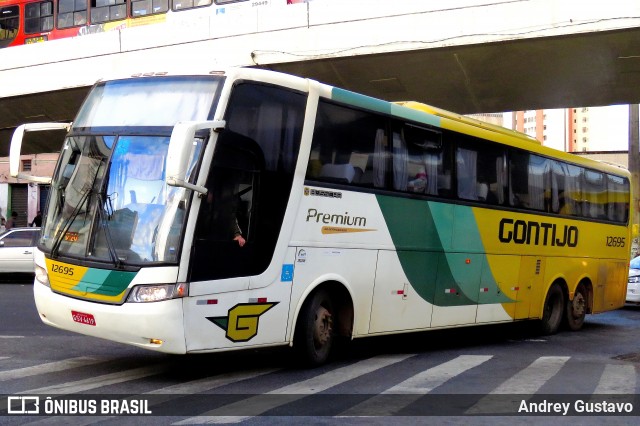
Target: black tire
(577,309)
(553,312)
(314,335)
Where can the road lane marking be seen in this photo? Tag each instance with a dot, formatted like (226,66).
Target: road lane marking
(617,379)
(415,387)
(293,392)
(162,395)
(525,382)
(49,367)
(98,381)
(529,380)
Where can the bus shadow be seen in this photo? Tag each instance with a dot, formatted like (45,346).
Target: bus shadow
(422,342)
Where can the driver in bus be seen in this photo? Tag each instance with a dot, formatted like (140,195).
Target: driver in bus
(223,216)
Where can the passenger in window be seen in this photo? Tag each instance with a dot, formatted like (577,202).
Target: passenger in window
(419,184)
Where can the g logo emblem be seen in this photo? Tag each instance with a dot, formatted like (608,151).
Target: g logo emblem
(242,323)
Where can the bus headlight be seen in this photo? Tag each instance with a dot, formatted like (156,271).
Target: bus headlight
(42,276)
(157,292)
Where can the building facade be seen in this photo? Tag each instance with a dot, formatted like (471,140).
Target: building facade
(578,129)
(23,197)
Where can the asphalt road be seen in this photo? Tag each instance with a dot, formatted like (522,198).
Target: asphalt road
(447,377)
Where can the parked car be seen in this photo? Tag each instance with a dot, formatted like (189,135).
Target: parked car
(633,285)
(16,250)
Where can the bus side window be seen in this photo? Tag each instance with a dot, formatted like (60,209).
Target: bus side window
(420,148)
(467,173)
(72,13)
(618,206)
(349,147)
(595,195)
(530,181)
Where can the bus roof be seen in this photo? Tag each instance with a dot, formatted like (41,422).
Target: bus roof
(454,121)
(467,120)
(515,137)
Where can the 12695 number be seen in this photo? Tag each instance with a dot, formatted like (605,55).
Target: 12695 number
(61,269)
(615,241)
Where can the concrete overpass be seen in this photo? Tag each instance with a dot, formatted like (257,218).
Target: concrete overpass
(468,56)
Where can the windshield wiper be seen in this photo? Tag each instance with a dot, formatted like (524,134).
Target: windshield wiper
(67,224)
(107,233)
(76,211)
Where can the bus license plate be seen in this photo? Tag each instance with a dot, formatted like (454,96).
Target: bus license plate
(83,318)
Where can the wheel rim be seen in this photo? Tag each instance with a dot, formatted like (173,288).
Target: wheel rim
(322,327)
(578,305)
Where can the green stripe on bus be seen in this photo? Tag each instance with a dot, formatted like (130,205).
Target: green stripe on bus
(422,235)
(384,107)
(105,282)
(361,101)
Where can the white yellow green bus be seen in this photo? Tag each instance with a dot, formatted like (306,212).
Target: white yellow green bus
(357,217)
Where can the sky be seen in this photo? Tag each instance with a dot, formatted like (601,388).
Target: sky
(608,128)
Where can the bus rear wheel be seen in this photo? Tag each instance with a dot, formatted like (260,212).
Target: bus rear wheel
(554,308)
(577,308)
(315,336)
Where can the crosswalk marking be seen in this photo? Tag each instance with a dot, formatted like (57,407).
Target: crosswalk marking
(529,380)
(98,382)
(168,393)
(617,379)
(49,367)
(432,378)
(209,383)
(295,391)
(415,387)
(525,382)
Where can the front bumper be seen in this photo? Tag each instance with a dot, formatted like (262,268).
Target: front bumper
(138,324)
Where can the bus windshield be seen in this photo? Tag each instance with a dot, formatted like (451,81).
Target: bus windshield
(109,199)
(157,101)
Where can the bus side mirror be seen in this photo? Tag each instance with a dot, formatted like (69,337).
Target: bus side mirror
(16,147)
(180,151)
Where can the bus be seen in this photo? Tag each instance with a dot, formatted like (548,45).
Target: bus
(245,208)
(35,21)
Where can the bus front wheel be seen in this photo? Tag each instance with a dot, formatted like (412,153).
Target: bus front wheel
(314,335)
(553,310)
(577,309)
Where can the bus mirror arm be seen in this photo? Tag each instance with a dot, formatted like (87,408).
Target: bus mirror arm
(182,184)
(16,148)
(180,152)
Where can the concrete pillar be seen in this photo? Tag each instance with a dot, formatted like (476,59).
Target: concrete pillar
(634,159)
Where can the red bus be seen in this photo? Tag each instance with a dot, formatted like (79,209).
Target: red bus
(33,21)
